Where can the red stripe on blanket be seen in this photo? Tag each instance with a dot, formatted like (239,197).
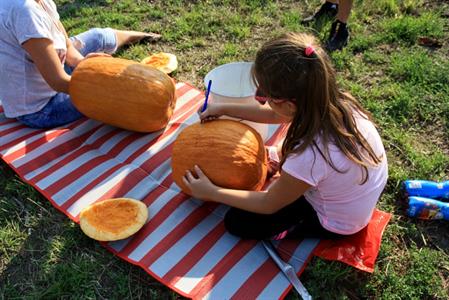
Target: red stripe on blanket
(33,133)
(154,194)
(220,269)
(125,185)
(88,165)
(89,187)
(178,232)
(7,121)
(180,91)
(17,140)
(154,223)
(54,153)
(195,254)
(12,129)
(257,282)
(72,156)
(47,137)
(187,107)
(184,90)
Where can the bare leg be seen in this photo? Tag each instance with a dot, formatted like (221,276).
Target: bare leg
(125,37)
(344,10)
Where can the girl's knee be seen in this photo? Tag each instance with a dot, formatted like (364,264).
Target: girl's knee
(96,33)
(103,39)
(109,38)
(230,223)
(234,224)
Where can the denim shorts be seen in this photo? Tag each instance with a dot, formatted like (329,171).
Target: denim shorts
(59,110)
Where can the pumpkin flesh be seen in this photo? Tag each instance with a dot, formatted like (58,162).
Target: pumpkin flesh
(113,219)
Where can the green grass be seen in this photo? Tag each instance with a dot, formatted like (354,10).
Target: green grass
(404,85)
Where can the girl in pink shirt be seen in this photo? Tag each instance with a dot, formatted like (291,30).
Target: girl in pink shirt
(333,163)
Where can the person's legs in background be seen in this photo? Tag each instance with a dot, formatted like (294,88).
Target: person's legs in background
(125,37)
(108,40)
(96,40)
(339,34)
(329,9)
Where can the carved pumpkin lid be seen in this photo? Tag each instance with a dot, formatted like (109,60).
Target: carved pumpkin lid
(113,219)
(165,62)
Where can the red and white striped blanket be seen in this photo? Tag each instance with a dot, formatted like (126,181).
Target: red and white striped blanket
(184,243)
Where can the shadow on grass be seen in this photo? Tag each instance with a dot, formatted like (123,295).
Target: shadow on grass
(45,255)
(59,262)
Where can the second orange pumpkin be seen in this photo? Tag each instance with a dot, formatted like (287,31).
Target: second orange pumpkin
(123,93)
(230,153)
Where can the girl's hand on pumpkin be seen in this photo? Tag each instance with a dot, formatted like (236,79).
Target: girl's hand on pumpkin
(97,54)
(90,55)
(201,187)
(273,159)
(212,112)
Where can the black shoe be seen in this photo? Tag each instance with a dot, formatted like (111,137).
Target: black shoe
(328,10)
(338,37)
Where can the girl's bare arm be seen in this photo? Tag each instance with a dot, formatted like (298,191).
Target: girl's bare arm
(47,62)
(74,57)
(281,193)
(251,112)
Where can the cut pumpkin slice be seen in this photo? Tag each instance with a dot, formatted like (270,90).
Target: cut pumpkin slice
(113,219)
(165,62)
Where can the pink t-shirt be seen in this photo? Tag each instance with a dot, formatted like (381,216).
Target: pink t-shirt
(342,204)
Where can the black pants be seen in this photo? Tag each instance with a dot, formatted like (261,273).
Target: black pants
(299,219)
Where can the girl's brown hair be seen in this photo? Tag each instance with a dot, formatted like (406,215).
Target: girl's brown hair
(283,70)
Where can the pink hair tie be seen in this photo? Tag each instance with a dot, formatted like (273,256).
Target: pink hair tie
(309,51)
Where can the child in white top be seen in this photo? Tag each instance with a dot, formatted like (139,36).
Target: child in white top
(37,57)
(333,166)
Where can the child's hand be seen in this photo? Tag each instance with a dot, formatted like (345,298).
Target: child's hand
(201,187)
(97,54)
(90,55)
(212,112)
(273,159)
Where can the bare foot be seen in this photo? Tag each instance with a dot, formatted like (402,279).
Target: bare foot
(125,37)
(150,37)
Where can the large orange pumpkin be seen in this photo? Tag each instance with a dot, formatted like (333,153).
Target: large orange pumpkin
(123,93)
(230,153)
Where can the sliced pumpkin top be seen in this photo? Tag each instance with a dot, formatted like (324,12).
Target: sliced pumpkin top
(112,216)
(165,62)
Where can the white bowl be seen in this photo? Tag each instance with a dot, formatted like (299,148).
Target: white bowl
(232,83)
